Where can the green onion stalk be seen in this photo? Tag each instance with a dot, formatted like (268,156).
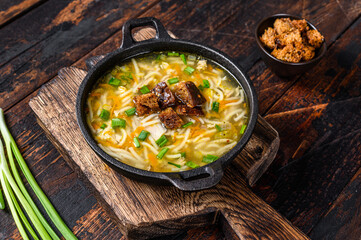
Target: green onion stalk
(14,189)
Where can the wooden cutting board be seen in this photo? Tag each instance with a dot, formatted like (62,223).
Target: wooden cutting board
(142,210)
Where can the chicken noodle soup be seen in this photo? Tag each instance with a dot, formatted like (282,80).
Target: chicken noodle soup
(167,112)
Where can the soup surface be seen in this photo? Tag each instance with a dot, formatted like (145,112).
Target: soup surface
(167,112)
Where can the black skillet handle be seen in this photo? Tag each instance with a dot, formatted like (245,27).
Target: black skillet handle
(128,40)
(201,178)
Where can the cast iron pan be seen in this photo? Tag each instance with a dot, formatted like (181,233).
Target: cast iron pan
(191,180)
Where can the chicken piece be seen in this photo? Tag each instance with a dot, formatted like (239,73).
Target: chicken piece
(289,54)
(146,103)
(170,118)
(283,25)
(268,38)
(165,96)
(184,110)
(288,38)
(301,25)
(189,94)
(314,37)
(201,65)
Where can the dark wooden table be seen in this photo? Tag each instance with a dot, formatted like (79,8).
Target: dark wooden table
(315,181)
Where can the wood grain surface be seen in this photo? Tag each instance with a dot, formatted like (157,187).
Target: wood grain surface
(27,62)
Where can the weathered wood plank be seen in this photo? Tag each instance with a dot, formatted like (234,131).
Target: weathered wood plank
(37,64)
(55,34)
(317,158)
(10,9)
(342,220)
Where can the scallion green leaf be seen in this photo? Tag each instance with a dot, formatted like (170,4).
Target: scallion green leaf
(118,123)
(187,124)
(144,90)
(103,126)
(183,154)
(136,142)
(189,70)
(162,141)
(183,59)
(143,135)
(215,106)
(243,128)
(200,86)
(162,153)
(206,83)
(130,111)
(173,81)
(114,82)
(192,164)
(218,128)
(174,164)
(209,158)
(173,54)
(104,114)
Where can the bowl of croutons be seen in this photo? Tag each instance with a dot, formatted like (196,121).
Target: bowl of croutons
(289,45)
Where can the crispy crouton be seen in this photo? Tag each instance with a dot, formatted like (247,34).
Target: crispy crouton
(146,103)
(189,94)
(283,25)
(268,38)
(289,54)
(184,110)
(301,25)
(170,118)
(315,39)
(165,96)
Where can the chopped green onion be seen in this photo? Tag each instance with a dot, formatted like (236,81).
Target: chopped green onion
(174,164)
(130,111)
(209,158)
(183,154)
(173,54)
(136,142)
(114,82)
(192,164)
(173,81)
(128,76)
(189,70)
(118,122)
(103,126)
(183,59)
(201,87)
(144,90)
(104,115)
(215,106)
(143,135)
(162,153)
(162,141)
(206,83)
(218,128)
(187,124)
(243,128)
(158,57)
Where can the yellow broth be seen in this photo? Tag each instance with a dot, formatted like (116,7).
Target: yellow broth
(197,144)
